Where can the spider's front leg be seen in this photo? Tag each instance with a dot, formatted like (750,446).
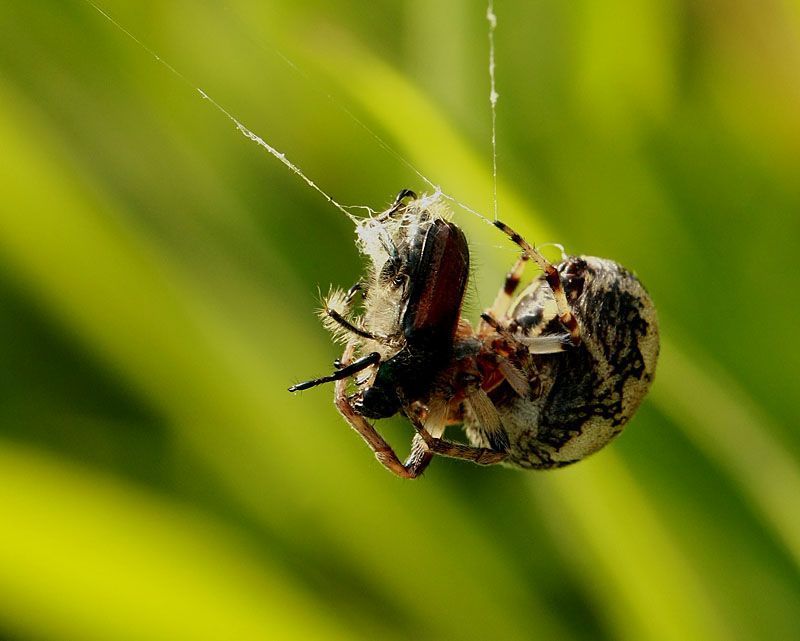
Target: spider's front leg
(504,297)
(443,447)
(429,433)
(553,279)
(420,456)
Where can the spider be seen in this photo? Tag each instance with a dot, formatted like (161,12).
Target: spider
(545,379)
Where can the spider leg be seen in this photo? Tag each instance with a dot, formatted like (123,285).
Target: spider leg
(553,278)
(436,445)
(489,321)
(443,447)
(419,458)
(548,344)
(435,423)
(499,309)
(478,455)
(503,299)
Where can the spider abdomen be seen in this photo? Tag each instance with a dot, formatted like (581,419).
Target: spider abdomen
(583,396)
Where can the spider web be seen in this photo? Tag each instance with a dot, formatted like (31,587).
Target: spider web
(295,169)
(491,18)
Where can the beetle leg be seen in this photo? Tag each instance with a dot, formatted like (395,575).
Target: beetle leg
(349,327)
(351,293)
(336,308)
(341,373)
(398,204)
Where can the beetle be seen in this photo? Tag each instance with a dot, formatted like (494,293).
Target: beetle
(545,379)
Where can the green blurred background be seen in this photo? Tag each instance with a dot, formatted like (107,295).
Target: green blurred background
(159,274)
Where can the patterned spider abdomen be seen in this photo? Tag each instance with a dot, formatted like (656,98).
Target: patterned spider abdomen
(580,398)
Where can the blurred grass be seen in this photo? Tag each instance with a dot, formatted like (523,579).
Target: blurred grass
(159,275)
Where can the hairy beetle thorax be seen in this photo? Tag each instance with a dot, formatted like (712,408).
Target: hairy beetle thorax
(418,276)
